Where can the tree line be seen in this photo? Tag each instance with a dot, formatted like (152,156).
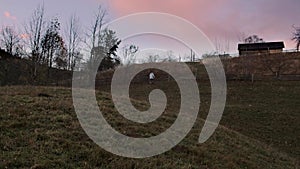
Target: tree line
(43,42)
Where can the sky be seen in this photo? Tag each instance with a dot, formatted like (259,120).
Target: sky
(225,22)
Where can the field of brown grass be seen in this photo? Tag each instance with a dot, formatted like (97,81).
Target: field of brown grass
(259,129)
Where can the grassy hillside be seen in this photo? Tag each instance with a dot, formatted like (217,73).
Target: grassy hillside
(17,71)
(259,129)
(267,111)
(283,66)
(266,66)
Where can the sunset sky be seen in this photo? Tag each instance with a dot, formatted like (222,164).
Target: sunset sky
(223,21)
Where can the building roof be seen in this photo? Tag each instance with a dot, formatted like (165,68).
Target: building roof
(260,46)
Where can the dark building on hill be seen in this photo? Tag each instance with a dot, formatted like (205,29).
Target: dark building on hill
(260,48)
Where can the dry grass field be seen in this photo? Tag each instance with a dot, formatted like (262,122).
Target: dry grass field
(259,129)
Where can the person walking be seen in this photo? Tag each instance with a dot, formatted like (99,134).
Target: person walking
(151,77)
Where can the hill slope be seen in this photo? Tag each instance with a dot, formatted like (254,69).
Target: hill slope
(42,131)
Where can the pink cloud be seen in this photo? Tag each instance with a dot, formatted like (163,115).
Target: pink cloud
(191,10)
(270,19)
(24,36)
(9,16)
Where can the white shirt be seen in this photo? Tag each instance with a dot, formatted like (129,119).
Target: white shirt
(151,76)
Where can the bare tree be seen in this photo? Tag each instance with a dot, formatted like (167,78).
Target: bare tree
(153,58)
(222,46)
(102,43)
(170,56)
(10,39)
(73,41)
(51,42)
(276,63)
(109,44)
(35,28)
(253,39)
(128,54)
(93,37)
(241,36)
(296,37)
(61,55)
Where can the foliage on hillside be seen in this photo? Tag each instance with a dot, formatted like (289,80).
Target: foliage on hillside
(17,71)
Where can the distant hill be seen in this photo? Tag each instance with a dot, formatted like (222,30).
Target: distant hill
(283,66)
